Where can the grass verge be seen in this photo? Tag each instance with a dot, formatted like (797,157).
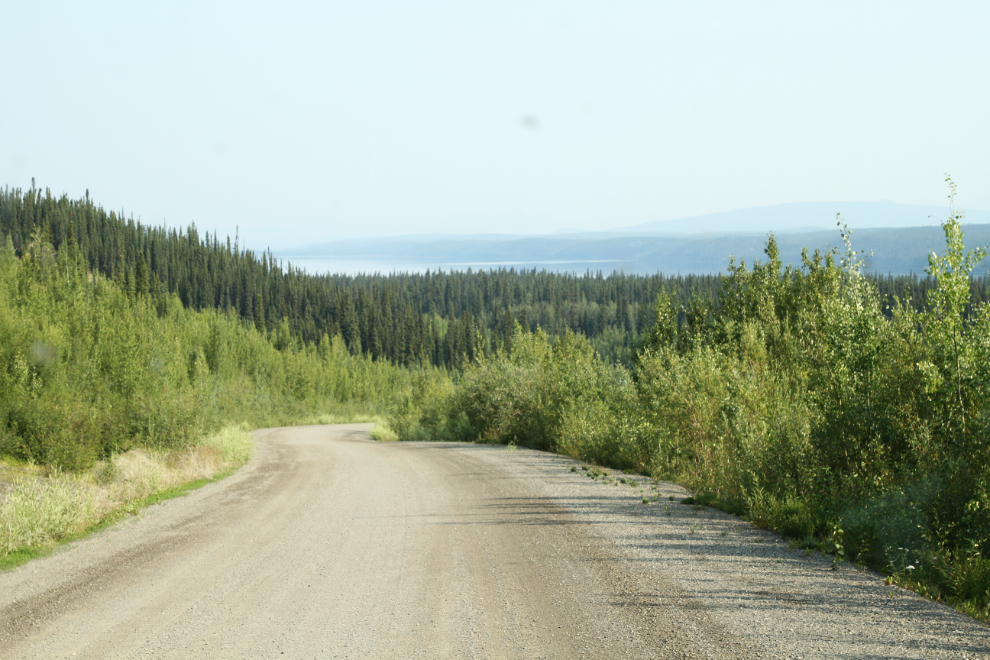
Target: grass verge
(41,512)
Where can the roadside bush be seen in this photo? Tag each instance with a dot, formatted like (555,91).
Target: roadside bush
(803,402)
(421,409)
(382,432)
(553,395)
(799,398)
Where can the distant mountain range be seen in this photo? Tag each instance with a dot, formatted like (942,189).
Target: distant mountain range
(895,233)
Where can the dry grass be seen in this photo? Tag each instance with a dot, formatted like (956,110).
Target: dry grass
(38,511)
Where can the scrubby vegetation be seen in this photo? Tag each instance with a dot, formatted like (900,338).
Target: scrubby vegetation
(848,411)
(800,398)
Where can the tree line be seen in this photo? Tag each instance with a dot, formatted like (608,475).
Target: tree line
(439,318)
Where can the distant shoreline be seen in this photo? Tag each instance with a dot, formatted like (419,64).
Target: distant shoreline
(898,251)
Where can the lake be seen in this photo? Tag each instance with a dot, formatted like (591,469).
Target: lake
(319,265)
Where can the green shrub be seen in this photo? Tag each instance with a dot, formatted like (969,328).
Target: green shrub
(382,432)
(803,401)
(554,395)
(799,398)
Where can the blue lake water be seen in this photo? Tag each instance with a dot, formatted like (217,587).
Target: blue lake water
(317,265)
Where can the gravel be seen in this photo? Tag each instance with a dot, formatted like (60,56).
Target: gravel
(330,545)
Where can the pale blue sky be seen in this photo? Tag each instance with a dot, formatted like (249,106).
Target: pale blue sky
(307,122)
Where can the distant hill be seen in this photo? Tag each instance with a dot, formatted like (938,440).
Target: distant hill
(896,251)
(808,216)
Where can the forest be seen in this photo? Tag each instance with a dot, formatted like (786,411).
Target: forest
(848,411)
(440,318)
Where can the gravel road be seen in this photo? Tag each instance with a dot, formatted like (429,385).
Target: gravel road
(330,545)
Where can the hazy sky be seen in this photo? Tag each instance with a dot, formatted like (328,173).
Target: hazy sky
(304,122)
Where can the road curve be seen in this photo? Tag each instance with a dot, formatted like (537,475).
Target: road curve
(330,545)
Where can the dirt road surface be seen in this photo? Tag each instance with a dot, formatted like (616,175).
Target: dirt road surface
(330,545)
